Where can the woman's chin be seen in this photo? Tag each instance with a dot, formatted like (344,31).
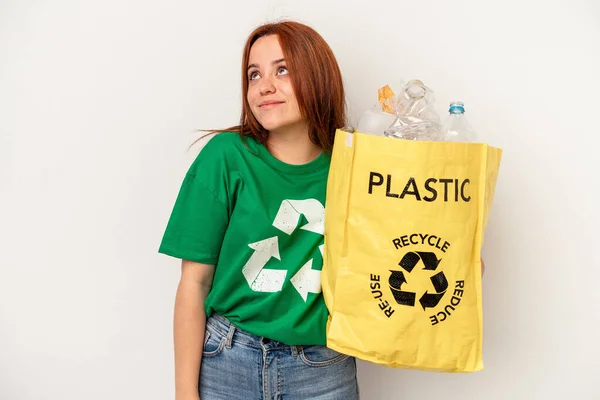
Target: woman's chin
(272,125)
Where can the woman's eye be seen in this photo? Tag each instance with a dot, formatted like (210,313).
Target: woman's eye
(282,71)
(254,75)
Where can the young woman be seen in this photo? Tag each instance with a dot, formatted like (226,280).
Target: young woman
(248,225)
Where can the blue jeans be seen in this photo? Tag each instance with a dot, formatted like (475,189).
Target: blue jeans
(238,365)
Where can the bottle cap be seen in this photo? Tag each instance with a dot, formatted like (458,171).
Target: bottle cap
(457,107)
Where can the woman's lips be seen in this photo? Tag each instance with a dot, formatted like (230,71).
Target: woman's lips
(270,104)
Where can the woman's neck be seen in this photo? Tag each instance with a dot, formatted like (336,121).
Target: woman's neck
(293,145)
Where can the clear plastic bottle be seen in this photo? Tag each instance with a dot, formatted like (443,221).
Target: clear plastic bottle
(375,122)
(456,126)
(416,118)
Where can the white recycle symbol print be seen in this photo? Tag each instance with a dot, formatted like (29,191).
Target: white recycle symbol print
(271,280)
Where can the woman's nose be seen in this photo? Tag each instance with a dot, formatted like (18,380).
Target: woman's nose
(267,86)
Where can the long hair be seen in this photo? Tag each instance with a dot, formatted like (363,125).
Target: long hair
(316,80)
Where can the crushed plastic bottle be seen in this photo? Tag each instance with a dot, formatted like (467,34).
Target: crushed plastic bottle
(456,126)
(416,118)
(375,122)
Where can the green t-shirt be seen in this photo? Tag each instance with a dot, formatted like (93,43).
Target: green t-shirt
(260,221)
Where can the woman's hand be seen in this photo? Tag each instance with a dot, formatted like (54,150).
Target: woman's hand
(190,397)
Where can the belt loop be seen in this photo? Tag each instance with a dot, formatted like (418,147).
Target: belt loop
(295,351)
(230,335)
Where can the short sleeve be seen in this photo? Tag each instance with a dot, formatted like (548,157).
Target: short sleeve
(200,215)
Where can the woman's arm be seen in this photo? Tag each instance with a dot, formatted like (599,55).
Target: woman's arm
(189,326)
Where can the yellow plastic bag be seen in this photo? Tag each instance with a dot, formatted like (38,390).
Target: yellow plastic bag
(404,226)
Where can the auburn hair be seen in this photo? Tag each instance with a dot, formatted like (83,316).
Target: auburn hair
(315,77)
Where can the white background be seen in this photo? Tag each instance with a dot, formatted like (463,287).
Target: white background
(100,99)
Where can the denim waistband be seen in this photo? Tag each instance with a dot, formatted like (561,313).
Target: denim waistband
(235,334)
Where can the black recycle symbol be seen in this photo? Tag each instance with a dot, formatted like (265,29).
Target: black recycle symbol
(408,263)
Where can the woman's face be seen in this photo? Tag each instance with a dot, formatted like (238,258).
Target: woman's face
(270,93)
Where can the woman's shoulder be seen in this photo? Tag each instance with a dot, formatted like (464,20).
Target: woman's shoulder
(221,144)
(218,150)
(223,141)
